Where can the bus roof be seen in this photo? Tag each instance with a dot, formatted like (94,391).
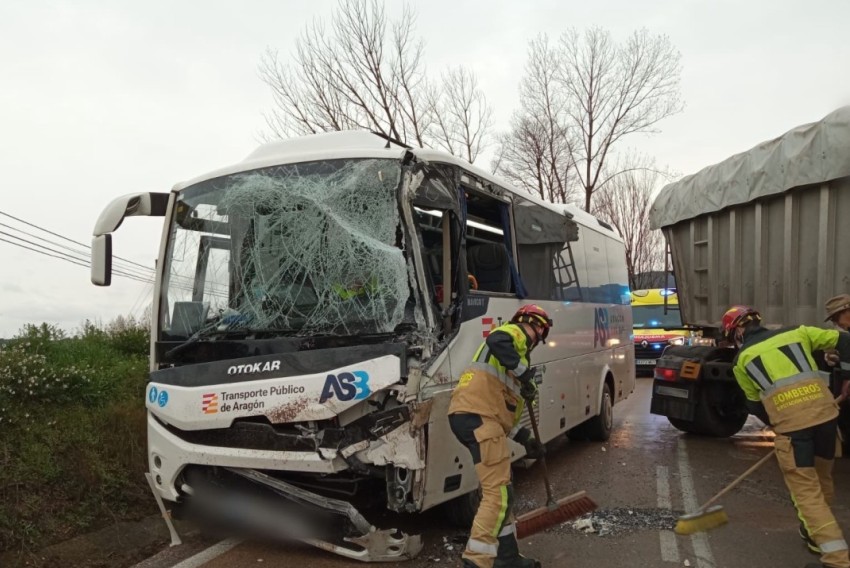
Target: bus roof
(363,144)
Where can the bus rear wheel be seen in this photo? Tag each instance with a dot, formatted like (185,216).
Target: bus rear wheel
(599,427)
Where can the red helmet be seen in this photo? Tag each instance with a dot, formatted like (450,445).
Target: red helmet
(737,316)
(534,315)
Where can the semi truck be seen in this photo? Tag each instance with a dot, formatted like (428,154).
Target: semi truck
(766,228)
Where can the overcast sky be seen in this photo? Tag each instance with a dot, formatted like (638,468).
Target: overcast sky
(99,99)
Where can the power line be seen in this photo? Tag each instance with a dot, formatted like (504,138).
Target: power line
(70,259)
(79,256)
(88,247)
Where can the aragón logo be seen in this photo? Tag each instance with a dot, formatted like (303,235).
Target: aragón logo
(346,386)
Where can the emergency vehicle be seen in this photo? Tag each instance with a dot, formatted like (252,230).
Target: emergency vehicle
(657,323)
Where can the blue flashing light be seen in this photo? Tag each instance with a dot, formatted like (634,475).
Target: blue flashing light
(668,291)
(656,346)
(654,322)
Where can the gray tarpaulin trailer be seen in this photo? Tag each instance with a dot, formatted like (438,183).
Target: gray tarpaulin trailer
(768,227)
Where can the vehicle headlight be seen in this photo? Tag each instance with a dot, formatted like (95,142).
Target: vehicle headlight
(676,341)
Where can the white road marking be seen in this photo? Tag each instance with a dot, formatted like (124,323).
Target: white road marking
(669,546)
(205,556)
(702,549)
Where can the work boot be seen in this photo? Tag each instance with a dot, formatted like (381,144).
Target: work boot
(810,544)
(509,556)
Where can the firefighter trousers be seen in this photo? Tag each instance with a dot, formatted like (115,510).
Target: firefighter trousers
(805,458)
(486,441)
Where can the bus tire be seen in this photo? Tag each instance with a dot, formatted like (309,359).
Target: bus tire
(599,427)
(461,510)
(577,433)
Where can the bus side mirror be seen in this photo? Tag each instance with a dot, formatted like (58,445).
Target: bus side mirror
(101,260)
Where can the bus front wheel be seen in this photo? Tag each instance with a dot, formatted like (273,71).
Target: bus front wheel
(461,510)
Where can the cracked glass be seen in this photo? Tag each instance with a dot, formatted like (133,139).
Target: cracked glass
(301,249)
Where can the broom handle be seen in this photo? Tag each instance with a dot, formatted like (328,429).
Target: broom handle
(549,498)
(740,478)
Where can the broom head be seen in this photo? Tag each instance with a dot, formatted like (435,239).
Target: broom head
(701,520)
(564,509)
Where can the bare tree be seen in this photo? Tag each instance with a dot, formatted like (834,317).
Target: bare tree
(461,114)
(624,203)
(615,91)
(365,72)
(591,93)
(535,153)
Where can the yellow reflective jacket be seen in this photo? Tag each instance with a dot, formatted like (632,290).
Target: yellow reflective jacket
(486,387)
(777,369)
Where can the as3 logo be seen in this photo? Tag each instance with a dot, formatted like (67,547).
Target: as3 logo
(346,386)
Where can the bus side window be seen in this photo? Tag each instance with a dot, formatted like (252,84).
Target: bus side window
(547,261)
(488,255)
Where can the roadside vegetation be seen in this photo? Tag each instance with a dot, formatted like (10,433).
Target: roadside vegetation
(72,431)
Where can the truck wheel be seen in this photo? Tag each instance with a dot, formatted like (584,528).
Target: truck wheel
(461,510)
(599,427)
(684,425)
(711,421)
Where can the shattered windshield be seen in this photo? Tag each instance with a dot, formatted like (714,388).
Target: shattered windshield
(301,249)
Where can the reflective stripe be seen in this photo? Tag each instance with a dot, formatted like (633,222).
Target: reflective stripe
(484,355)
(520,369)
(782,383)
(844,366)
(503,377)
(481,547)
(488,368)
(833,546)
(802,361)
(758,376)
(503,510)
(509,529)
(514,431)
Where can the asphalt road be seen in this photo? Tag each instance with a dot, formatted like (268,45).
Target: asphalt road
(642,479)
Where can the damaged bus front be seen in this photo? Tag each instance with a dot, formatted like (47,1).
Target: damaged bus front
(289,333)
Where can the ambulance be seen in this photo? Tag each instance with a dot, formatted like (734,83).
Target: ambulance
(657,323)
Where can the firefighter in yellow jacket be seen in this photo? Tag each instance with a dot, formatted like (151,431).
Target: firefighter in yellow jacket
(484,411)
(779,377)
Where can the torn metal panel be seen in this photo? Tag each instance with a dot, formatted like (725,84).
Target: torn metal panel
(376,546)
(370,545)
(400,447)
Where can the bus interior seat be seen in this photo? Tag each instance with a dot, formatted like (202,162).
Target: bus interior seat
(489,264)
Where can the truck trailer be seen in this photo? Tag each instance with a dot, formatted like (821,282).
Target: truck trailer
(764,228)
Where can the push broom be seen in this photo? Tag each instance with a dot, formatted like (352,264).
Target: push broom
(554,512)
(707,517)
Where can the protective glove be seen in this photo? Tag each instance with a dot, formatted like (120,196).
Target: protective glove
(831,357)
(528,384)
(528,391)
(533,449)
(528,375)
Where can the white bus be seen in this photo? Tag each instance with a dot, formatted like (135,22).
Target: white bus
(315,304)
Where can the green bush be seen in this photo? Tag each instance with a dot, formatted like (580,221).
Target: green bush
(72,431)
